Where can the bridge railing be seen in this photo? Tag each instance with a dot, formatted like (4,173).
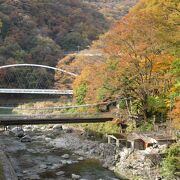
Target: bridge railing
(54,116)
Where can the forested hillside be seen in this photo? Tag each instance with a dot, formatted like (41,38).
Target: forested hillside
(41,31)
(142,61)
(112,9)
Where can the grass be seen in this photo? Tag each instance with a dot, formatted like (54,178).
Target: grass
(99,129)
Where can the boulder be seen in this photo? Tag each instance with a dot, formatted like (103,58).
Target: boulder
(70,162)
(56,166)
(16,131)
(64,162)
(34,177)
(43,166)
(20,133)
(75,176)
(57,127)
(49,164)
(26,138)
(80,159)
(60,173)
(65,156)
(47,139)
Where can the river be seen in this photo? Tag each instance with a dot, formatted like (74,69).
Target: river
(54,154)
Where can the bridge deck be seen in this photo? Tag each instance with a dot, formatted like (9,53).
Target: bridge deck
(36,91)
(25,120)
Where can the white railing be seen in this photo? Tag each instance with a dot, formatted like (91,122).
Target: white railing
(36,91)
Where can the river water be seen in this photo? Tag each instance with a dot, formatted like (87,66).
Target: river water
(39,159)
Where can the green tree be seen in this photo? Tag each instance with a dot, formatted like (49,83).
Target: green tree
(171,164)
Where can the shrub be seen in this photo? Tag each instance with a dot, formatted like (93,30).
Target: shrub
(145,126)
(171,164)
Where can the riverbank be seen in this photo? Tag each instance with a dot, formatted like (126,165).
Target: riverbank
(6,169)
(58,152)
(64,152)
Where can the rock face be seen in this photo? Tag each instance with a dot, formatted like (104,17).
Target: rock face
(137,164)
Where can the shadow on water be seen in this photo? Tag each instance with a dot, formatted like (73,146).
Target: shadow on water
(89,169)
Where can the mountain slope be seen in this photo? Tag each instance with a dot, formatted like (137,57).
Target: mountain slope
(113,10)
(40,31)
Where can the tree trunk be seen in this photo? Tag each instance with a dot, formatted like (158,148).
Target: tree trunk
(145,107)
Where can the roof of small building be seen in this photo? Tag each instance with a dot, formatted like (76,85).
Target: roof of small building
(118,136)
(144,137)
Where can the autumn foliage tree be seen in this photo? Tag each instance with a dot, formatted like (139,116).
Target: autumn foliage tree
(138,57)
(175,114)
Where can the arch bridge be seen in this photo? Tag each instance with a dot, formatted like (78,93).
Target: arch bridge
(31,79)
(39,79)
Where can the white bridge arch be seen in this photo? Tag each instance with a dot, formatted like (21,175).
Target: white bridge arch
(37,91)
(37,65)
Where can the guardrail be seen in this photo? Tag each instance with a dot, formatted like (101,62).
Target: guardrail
(36,91)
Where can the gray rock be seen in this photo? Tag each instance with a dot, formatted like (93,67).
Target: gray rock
(7,133)
(28,127)
(49,164)
(60,173)
(17,132)
(48,139)
(34,177)
(64,162)
(69,130)
(80,159)
(26,138)
(69,162)
(33,151)
(43,166)
(25,172)
(56,166)
(39,138)
(65,156)
(57,127)
(75,176)
(117,157)
(105,165)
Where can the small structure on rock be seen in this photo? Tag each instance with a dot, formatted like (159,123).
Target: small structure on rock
(140,141)
(118,139)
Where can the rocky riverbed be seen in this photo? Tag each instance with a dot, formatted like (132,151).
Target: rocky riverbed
(57,152)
